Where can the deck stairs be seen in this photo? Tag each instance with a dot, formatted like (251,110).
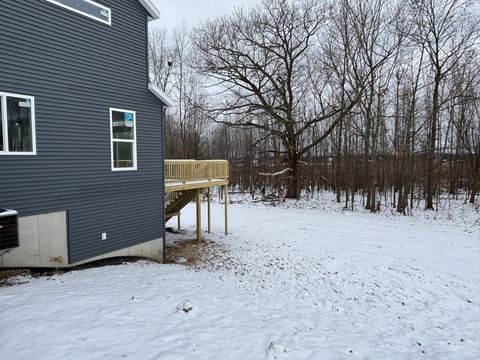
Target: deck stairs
(176,201)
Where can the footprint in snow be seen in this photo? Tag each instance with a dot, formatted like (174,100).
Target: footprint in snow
(276,351)
(185,307)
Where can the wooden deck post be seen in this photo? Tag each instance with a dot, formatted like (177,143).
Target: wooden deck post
(226,209)
(178,220)
(209,212)
(199,215)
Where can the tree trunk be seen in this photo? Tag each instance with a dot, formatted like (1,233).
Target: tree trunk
(293,191)
(475,176)
(432,143)
(338,165)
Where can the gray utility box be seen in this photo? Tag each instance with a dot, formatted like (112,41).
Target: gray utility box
(8,229)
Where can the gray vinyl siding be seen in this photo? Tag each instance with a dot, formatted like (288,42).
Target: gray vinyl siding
(77,68)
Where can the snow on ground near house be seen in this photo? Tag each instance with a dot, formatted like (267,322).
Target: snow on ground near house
(290,283)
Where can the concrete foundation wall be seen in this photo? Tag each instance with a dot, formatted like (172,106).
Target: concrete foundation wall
(44,243)
(152,250)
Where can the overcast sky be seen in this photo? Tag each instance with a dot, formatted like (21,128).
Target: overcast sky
(173,12)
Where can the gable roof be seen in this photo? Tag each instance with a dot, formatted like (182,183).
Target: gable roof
(151,9)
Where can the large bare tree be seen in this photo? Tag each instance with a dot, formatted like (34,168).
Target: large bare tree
(262,62)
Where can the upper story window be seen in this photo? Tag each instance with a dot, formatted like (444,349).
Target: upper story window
(123,139)
(87,8)
(17,124)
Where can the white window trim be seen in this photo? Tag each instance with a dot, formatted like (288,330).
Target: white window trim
(4,124)
(109,22)
(134,141)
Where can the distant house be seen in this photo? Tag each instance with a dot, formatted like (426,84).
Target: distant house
(81,135)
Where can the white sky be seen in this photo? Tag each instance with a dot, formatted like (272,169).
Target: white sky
(174,12)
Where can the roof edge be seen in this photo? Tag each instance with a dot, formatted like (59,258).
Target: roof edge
(161,95)
(151,9)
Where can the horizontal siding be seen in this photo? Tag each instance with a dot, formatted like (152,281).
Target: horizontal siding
(77,68)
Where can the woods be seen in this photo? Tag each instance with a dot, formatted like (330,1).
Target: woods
(377,101)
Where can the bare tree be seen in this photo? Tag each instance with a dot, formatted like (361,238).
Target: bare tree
(162,55)
(171,70)
(446,30)
(376,100)
(371,41)
(260,58)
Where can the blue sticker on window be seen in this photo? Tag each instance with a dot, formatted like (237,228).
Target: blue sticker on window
(128,116)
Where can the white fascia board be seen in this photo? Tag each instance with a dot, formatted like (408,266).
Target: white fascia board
(161,95)
(152,9)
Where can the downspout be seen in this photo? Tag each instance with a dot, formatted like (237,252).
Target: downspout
(164,248)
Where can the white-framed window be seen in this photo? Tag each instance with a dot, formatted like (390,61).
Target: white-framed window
(123,138)
(87,8)
(17,124)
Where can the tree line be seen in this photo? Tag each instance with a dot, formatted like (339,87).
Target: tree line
(377,101)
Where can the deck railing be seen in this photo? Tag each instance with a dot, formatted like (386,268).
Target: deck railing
(195,170)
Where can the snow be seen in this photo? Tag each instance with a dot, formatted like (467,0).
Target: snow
(301,280)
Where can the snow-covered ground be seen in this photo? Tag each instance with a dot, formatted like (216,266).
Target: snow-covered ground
(289,283)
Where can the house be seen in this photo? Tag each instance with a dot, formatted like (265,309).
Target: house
(81,135)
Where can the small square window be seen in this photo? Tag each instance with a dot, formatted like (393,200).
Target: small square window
(122,155)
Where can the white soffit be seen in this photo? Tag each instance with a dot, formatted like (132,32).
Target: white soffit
(161,95)
(152,9)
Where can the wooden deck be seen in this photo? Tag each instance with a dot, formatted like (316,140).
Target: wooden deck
(195,174)
(185,180)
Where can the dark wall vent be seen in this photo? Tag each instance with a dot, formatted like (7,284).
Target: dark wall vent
(8,229)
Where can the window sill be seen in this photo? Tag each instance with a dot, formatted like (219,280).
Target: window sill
(124,169)
(18,153)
